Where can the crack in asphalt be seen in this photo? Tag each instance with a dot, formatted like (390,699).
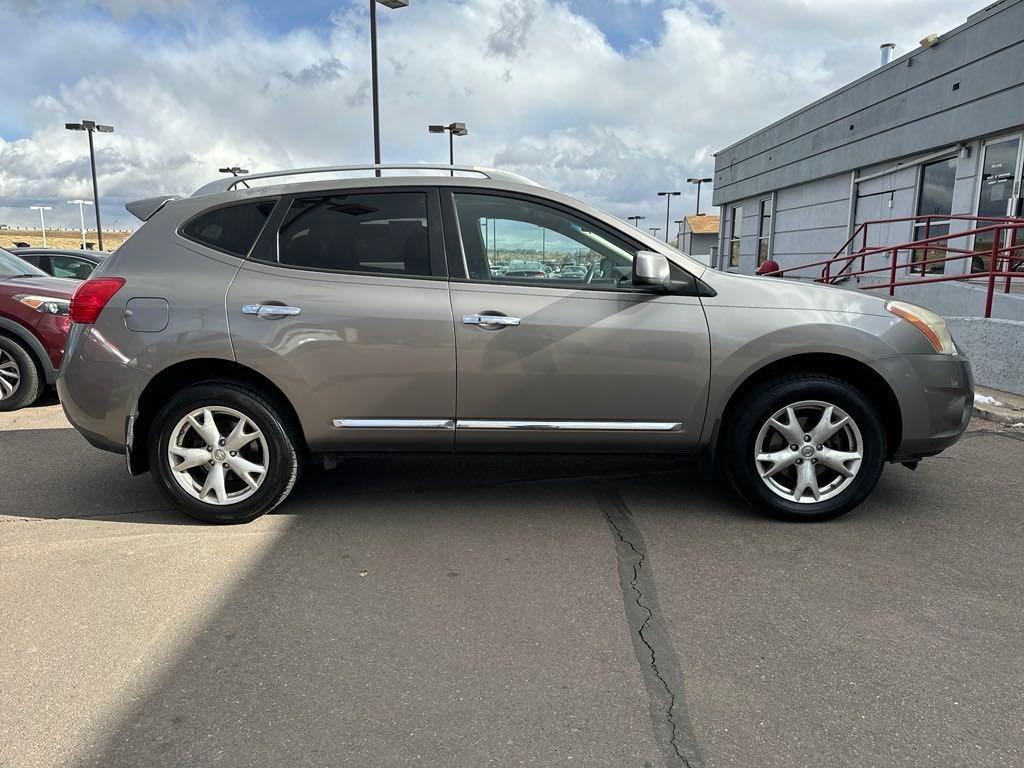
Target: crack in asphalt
(652,644)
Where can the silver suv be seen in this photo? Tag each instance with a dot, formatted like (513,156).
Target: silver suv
(241,333)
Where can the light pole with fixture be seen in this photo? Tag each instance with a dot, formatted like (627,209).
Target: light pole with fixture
(698,182)
(81,215)
(453,129)
(42,221)
(636,220)
(90,127)
(393,4)
(668,208)
(654,231)
(679,231)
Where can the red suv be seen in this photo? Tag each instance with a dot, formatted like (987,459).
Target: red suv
(34,324)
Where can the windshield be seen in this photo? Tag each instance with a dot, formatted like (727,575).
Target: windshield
(11,265)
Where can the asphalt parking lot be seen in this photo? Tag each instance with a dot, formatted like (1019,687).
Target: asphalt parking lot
(472,612)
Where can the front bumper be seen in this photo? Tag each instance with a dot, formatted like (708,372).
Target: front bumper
(936,398)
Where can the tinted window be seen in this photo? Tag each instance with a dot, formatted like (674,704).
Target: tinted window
(31,258)
(379,233)
(233,229)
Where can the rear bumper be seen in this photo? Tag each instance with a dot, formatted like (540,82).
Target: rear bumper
(936,398)
(98,397)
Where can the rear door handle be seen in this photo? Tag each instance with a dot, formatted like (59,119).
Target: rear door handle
(270,311)
(492,320)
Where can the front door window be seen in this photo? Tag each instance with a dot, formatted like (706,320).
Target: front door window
(509,239)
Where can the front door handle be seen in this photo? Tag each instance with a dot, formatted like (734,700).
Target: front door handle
(490,320)
(270,311)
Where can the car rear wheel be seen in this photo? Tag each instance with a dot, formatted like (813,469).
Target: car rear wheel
(806,448)
(20,383)
(223,453)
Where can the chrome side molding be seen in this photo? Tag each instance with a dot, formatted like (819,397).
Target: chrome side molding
(596,426)
(593,426)
(394,423)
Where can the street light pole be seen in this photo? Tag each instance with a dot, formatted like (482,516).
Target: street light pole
(373,73)
(42,221)
(91,127)
(636,220)
(698,182)
(81,215)
(655,230)
(668,208)
(453,130)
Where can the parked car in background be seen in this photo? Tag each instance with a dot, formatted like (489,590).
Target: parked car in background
(70,263)
(572,272)
(519,273)
(34,326)
(241,332)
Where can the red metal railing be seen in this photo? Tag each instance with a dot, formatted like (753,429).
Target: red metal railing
(1003,260)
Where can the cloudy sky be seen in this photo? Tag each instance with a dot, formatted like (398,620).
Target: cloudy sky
(607,100)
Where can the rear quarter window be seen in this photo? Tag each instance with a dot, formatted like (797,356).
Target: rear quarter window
(232,229)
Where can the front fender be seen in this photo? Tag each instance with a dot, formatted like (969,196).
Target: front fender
(746,340)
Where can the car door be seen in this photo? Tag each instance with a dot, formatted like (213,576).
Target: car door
(570,363)
(343,303)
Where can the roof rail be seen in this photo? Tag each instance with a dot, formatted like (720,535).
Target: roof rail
(230,182)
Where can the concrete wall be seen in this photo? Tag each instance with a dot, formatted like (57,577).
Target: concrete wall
(995,349)
(970,84)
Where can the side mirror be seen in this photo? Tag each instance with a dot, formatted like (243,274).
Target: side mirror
(651,270)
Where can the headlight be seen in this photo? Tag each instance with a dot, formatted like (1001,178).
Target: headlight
(927,322)
(48,305)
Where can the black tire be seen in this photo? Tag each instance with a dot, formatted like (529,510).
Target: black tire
(281,440)
(29,383)
(752,414)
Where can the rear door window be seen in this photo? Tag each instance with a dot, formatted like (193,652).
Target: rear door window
(375,233)
(69,266)
(232,229)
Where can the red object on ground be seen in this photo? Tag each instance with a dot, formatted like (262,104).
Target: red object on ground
(769,266)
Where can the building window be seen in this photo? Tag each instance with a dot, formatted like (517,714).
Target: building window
(764,231)
(935,198)
(735,233)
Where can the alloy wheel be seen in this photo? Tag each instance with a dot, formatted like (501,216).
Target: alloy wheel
(10,375)
(218,455)
(809,451)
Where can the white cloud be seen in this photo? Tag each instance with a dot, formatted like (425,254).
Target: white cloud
(540,88)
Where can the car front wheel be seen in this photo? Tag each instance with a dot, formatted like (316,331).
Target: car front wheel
(806,448)
(223,453)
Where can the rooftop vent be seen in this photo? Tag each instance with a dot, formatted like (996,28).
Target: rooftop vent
(887,51)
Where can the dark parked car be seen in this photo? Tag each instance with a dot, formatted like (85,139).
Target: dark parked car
(59,262)
(34,326)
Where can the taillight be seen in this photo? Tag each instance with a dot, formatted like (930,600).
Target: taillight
(92,296)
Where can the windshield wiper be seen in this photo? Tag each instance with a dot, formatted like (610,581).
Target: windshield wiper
(23,274)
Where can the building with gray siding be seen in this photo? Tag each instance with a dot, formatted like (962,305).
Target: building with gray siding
(939,130)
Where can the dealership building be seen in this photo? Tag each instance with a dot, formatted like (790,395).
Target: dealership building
(939,130)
